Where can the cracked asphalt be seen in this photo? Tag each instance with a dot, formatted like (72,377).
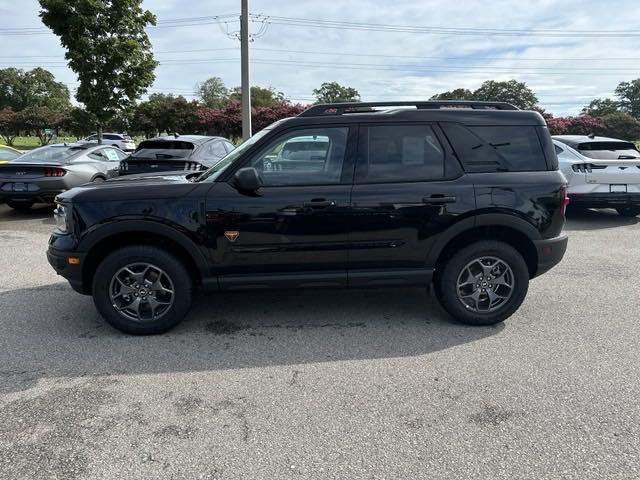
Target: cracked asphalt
(326,384)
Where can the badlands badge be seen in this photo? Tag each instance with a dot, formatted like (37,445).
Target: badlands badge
(232,235)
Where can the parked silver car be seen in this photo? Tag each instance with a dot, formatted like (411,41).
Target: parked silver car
(122,141)
(41,174)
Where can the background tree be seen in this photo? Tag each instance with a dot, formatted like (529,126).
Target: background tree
(333,92)
(9,125)
(601,106)
(581,125)
(108,48)
(457,94)
(620,125)
(20,89)
(260,97)
(212,92)
(629,95)
(77,122)
(511,91)
(36,119)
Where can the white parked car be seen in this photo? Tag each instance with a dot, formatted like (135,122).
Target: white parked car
(120,140)
(602,172)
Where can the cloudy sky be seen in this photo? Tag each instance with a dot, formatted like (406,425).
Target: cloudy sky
(568,51)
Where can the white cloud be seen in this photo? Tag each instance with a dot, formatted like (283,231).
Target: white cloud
(552,66)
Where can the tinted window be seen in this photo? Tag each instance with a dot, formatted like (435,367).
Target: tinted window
(313,167)
(519,147)
(216,149)
(401,153)
(161,149)
(558,149)
(609,150)
(498,148)
(112,137)
(112,155)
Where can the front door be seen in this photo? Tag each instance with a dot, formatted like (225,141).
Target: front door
(408,189)
(294,231)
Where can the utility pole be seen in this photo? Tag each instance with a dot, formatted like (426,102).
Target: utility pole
(244,61)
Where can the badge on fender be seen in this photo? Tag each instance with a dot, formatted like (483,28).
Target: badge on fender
(232,235)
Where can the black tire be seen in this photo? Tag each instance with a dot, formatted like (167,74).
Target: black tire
(20,206)
(447,282)
(99,180)
(179,277)
(628,212)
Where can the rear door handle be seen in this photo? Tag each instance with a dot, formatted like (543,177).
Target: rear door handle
(439,199)
(319,203)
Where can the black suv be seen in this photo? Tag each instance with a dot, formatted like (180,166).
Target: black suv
(462,194)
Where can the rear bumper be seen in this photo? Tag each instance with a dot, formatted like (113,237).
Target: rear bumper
(550,252)
(604,200)
(59,260)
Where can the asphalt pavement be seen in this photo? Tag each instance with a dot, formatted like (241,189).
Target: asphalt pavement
(326,384)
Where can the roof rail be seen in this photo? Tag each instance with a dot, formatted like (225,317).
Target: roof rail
(362,107)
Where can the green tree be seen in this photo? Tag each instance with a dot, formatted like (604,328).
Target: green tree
(620,125)
(333,92)
(108,48)
(77,121)
(600,107)
(213,92)
(166,113)
(36,119)
(629,95)
(511,91)
(260,97)
(20,89)
(457,94)
(9,125)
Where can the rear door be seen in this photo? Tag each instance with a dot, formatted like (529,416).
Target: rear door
(408,189)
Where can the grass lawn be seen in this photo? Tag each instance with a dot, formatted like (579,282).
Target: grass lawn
(29,143)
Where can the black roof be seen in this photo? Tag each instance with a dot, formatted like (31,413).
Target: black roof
(466,112)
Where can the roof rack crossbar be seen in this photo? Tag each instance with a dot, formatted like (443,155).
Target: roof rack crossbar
(356,107)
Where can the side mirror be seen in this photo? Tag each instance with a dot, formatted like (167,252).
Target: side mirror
(247,180)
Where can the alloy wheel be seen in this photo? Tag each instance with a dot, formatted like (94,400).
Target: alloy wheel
(485,284)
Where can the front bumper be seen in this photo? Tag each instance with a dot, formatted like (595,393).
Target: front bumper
(604,200)
(72,272)
(550,252)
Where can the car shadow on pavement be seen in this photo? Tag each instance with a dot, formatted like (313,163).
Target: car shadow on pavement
(44,211)
(51,331)
(591,219)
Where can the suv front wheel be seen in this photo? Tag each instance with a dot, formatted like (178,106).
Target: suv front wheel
(483,283)
(142,290)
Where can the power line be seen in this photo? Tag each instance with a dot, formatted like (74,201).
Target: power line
(380,27)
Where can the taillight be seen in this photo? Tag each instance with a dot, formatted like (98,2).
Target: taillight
(564,200)
(54,172)
(581,167)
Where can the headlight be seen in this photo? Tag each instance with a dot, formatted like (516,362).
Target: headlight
(62,215)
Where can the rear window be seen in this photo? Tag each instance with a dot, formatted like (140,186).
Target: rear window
(163,149)
(55,154)
(609,150)
(497,148)
(112,137)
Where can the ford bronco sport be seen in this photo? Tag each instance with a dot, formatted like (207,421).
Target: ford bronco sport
(464,195)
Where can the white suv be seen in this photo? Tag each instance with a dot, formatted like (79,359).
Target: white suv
(602,172)
(122,141)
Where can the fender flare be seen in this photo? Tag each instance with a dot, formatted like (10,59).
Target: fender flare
(122,226)
(484,219)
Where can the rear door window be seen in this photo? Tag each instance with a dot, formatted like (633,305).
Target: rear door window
(400,153)
(497,148)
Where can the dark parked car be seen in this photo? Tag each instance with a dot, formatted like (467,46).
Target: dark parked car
(41,174)
(469,198)
(176,153)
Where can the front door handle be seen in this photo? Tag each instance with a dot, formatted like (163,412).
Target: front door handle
(439,199)
(319,203)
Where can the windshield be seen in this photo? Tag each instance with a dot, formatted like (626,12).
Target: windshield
(51,153)
(609,150)
(219,167)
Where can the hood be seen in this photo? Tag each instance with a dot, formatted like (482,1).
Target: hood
(134,187)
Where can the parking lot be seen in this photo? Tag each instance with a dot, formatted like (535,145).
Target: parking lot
(326,384)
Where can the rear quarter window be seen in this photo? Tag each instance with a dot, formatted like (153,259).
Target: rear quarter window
(497,148)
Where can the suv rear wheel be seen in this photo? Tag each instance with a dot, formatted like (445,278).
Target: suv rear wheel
(142,290)
(483,283)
